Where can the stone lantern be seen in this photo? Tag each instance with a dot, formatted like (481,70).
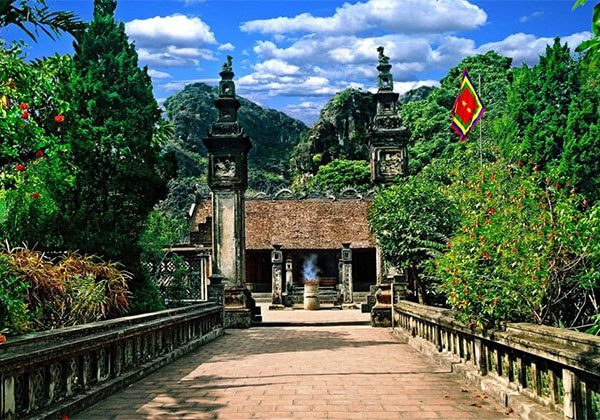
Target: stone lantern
(228,147)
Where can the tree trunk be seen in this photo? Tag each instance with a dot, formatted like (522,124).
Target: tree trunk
(419,286)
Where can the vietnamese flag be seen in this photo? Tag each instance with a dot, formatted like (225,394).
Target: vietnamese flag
(467,109)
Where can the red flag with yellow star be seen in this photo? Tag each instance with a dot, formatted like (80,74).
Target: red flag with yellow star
(468,108)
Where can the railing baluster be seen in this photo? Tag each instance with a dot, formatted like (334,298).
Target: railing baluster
(573,407)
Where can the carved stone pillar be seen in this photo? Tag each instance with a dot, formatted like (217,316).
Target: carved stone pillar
(346,274)
(228,147)
(289,276)
(276,274)
(388,141)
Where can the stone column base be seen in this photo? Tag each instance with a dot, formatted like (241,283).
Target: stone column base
(381,317)
(238,318)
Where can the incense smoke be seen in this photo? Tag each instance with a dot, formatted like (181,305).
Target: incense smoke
(310,271)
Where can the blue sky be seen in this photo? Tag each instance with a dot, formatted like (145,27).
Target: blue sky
(294,55)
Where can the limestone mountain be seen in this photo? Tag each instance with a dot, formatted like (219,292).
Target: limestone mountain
(339,133)
(274,134)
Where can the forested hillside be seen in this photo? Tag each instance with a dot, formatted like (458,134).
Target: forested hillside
(273,134)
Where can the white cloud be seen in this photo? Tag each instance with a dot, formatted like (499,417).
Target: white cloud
(174,57)
(155,74)
(191,2)
(169,30)
(403,87)
(177,85)
(226,47)
(527,18)
(171,41)
(407,16)
(307,111)
(527,48)
(277,67)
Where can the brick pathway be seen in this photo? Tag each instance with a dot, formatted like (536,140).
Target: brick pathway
(310,373)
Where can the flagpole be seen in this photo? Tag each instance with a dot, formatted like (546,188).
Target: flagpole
(480,130)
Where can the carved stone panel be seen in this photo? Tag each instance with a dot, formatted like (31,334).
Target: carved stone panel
(390,163)
(225,168)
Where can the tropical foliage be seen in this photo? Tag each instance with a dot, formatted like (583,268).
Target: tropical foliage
(37,292)
(340,174)
(32,16)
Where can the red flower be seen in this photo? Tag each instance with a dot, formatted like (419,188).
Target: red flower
(39,153)
(25,115)
(448,245)
(487,220)
(486,256)
(35,195)
(20,167)
(573,190)
(488,194)
(23,106)
(2,339)
(585,202)
(492,211)
(59,118)
(557,185)
(520,164)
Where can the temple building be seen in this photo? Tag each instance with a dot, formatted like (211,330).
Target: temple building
(299,228)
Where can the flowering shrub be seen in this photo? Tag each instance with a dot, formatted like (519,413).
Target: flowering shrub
(523,251)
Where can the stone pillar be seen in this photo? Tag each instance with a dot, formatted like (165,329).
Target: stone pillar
(388,141)
(276,274)
(228,147)
(289,275)
(346,274)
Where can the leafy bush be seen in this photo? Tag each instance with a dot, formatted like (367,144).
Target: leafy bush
(14,314)
(38,293)
(340,174)
(412,222)
(524,251)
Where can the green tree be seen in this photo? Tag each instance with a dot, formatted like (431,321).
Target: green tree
(339,174)
(35,169)
(35,13)
(412,222)
(538,107)
(118,163)
(428,120)
(579,161)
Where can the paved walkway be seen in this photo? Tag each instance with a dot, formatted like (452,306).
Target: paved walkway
(326,315)
(351,372)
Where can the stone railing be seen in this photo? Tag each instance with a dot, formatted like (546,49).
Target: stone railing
(60,372)
(557,368)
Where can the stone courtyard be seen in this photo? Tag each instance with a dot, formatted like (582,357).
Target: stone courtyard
(344,372)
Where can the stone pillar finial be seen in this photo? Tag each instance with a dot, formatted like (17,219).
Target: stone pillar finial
(387,137)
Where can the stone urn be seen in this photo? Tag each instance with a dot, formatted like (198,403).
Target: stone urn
(311,295)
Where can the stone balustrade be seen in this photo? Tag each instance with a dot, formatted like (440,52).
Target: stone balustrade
(551,366)
(60,372)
